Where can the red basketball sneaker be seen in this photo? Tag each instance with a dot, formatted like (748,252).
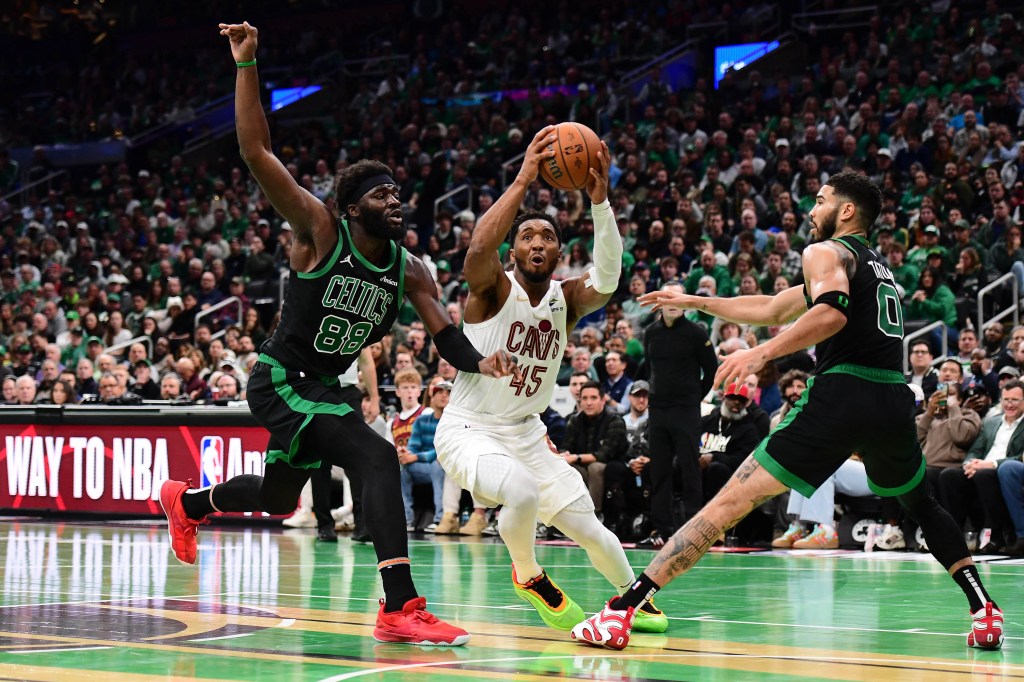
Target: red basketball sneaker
(180,527)
(609,628)
(415,625)
(987,630)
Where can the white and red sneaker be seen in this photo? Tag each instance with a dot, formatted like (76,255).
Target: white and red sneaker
(608,628)
(415,625)
(181,529)
(987,629)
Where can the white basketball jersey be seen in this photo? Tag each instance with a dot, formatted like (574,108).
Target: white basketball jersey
(536,336)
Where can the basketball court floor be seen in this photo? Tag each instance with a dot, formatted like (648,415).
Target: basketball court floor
(107,601)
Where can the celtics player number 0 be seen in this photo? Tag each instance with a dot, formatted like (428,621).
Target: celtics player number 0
(890,312)
(338,335)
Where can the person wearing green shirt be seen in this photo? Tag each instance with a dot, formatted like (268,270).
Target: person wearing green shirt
(919,256)
(933,301)
(709,266)
(906,274)
(964,238)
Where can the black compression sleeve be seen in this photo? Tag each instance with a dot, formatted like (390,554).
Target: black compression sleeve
(454,347)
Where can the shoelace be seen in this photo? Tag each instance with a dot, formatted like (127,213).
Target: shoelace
(543,586)
(424,616)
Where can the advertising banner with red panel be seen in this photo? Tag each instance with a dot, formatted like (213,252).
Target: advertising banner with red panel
(117,469)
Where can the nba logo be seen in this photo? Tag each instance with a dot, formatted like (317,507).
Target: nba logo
(211,450)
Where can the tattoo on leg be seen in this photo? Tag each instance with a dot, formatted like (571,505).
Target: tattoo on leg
(686,547)
(747,469)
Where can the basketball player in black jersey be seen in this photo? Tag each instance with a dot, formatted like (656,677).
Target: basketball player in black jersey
(348,279)
(857,401)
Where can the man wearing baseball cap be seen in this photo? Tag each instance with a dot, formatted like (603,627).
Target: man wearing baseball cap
(728,435)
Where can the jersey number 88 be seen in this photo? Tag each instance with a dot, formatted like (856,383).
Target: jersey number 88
(338,335)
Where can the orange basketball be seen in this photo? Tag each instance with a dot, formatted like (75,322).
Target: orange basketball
(576,149)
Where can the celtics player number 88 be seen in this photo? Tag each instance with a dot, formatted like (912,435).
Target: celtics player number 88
(338,335)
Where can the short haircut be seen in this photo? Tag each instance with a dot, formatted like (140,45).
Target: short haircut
(921,343)
(533,215)
(1013,383)
(865,195)
(408,376)
(580,374)
(592,384)
(959,367)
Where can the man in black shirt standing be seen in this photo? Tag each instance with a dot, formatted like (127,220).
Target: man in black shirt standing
(681,365)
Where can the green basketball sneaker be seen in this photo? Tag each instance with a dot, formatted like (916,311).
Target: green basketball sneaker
(649,618)
(553,605)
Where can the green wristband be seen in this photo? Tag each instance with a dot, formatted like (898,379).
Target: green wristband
(242,65)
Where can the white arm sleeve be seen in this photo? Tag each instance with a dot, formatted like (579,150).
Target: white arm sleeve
(607,250)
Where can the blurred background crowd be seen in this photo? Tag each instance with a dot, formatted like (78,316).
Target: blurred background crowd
(114,274)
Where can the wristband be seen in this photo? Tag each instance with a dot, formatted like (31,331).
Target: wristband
(242,65)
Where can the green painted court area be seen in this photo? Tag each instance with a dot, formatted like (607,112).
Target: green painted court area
(108,602)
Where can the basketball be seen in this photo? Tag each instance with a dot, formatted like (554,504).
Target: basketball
(576,148)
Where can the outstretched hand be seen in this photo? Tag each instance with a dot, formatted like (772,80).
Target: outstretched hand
(657,300)
(738,365)
(499,364)
(242,38)
(542,147)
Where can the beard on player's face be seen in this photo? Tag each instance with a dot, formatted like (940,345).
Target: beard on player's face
(825,225)
(536,273)
(378,224)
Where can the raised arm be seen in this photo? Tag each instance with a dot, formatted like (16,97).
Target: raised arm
(760,310)
(591,291)
(826,271)
(300,208)
(483,270)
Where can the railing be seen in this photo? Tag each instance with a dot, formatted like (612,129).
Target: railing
(212,134)
(282,285)
(467,189)
(375,66)
(910,338)
(509,165)
(28,188)
(113,350)
(834,19)
(161,129)
(232,300)
(1012,310)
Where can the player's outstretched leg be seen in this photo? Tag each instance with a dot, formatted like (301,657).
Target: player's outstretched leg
(946,543)
(186,508)
(749,486)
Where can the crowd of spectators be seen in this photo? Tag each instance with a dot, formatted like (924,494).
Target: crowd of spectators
(102,279)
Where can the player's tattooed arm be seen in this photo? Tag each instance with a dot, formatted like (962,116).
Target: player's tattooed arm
(847,258)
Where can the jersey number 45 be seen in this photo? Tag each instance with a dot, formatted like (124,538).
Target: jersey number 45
(528,374)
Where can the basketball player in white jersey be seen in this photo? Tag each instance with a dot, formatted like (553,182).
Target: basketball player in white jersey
(490,438)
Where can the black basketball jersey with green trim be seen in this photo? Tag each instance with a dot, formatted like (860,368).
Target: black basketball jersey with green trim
(331,313)
(873,335)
